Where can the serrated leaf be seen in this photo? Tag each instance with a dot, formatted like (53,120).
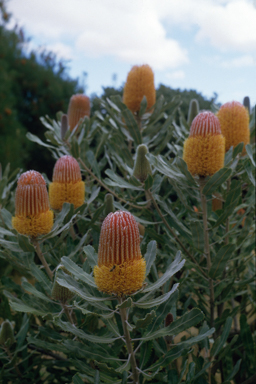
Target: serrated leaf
(220,260)
(125,366)
(36,139)
(174,267)
(182,165)
(5,232)
(30,288)
(250,154)
(7,218)
(188,320)
(216,180)
(126,303)
(150,255)
(233,372)
(143,323)
(220,341)
(248,167)
(155,302)
(117,181)
(41,277)
(25,244)
(238,149)
(77,271)
(67,327)
(92,256)
(19,306)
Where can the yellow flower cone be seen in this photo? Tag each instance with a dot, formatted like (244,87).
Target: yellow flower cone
(79,107)
(121,268)
(32,214)
(234,122)
(67,185)
(139,83)
(204,150)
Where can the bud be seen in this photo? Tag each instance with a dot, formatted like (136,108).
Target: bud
(204,149)
(32,214)
(109,204)
(216,202)
(121,268)
(60,293)
(6,334)
(234,122)
(79,107)
(142,167)
(67,185)
(193,110)
(64,125)
(247,104)
(139,83)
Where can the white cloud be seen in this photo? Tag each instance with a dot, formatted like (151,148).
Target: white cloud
(176,75)
(239,62)
(129,30)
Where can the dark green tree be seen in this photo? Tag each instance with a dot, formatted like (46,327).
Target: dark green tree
(32,85)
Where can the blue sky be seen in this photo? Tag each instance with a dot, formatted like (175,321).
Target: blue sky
(207,45)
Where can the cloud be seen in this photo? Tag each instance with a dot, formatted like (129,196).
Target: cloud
(128,30)
(239,62)
(176,75)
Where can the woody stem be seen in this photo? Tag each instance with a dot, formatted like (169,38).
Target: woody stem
(123,314)
(36,245)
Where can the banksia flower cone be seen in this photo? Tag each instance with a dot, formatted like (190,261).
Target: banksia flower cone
(204,149)
(142,167)
(6,334)
(60,293)
(121,268)
(79,107)
(234,122)
(139,83)
(32,214)
(67,185)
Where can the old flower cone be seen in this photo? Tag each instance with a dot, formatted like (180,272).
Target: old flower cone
(234,122)
(204,149)
(139,83)
(121,268)
(79,107)
(67,185)
(32,214)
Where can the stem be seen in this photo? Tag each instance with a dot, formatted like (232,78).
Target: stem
(174,235)
(123,314)
(35,242)
(108,189)
(67,313)
(207,247)
(14,364)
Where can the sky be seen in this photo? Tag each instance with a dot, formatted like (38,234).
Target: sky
(205,45)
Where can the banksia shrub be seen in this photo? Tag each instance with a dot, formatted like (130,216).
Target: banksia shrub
(6,334)
(204,149)
(67,185)
(142,167)
(32,214)
(60,293)
(79,107)
(234,122)
(139,83)
(121,268)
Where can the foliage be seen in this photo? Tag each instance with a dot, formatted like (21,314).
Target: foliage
(173,334)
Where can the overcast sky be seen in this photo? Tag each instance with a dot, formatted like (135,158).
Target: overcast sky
(207,45)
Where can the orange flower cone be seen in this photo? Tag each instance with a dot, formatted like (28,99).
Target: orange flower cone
(121,268)
(139,83)
(79,107)
(67,185)
(234,122)
(204,150)
(32,214)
